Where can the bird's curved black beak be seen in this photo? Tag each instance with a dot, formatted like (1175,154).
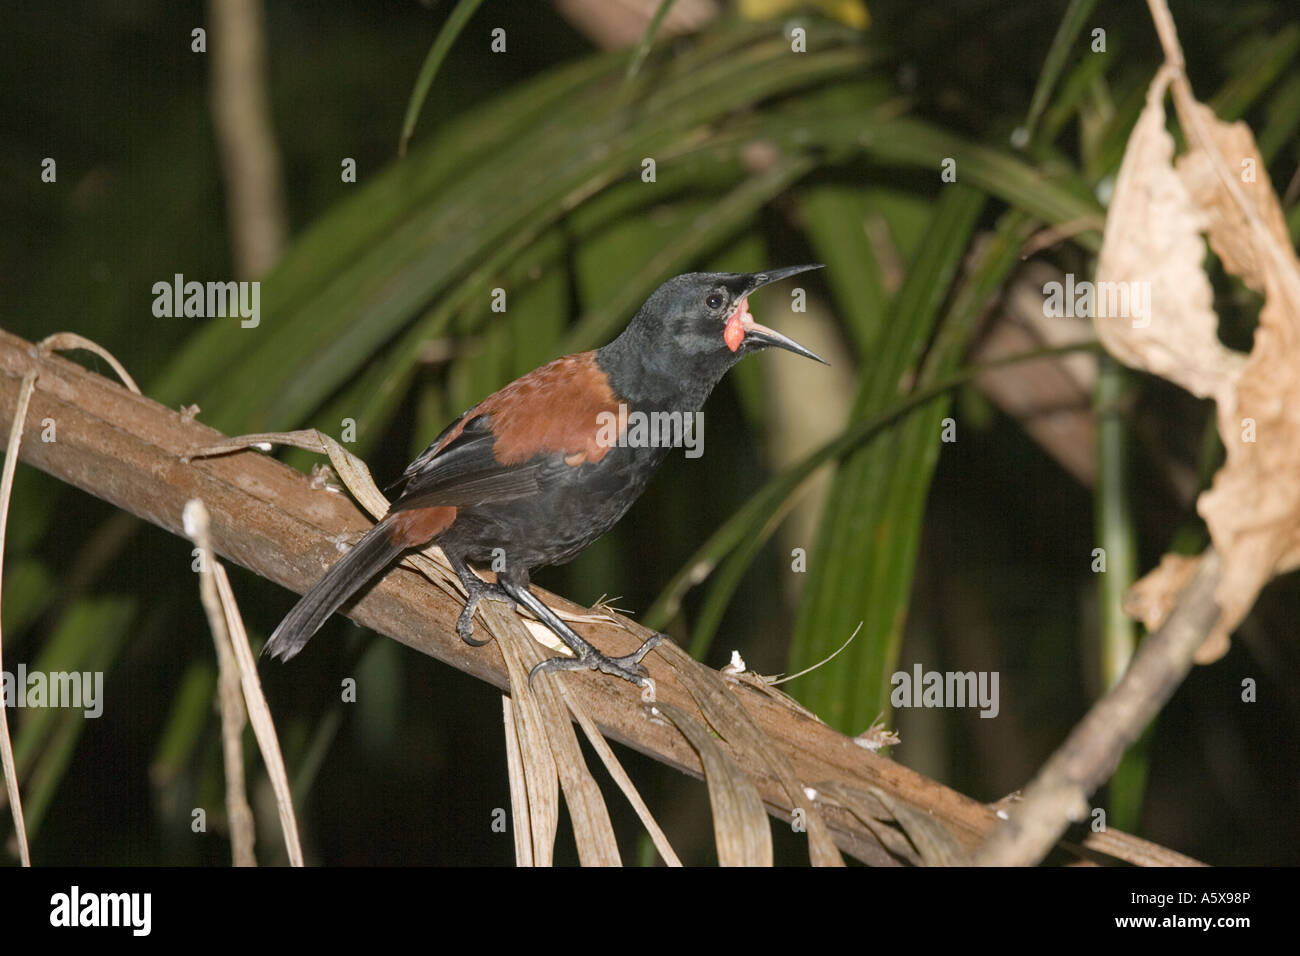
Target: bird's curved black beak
(759,279)
(760,336)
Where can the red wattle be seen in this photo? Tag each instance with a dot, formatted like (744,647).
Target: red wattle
(734,333)
(737,323)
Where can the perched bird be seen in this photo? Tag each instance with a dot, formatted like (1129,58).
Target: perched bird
(531,475)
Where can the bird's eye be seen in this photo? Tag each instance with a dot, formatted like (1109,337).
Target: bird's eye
(714,301)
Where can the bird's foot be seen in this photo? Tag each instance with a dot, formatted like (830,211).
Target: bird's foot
(478,589)
(629,667)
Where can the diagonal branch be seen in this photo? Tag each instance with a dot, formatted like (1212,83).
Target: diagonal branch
(127,450)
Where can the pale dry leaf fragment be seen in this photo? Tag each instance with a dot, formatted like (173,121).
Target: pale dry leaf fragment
(741,832)
(557,743)
(1159,222)
(735,666)
(229,695)
(1253,507)
(616,771)
(237,661)
(522,829)
(1246,252)
(324,479)
(69,341)
(1153,242)
(1151,599)
(733,723)
(873,815)
(877,737)
(534,779)
(934,841)
(6,489)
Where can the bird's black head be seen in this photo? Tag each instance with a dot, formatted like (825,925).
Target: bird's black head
(693,328)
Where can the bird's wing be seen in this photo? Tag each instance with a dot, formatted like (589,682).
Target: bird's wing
(459,469)
(500,448)
(431,450)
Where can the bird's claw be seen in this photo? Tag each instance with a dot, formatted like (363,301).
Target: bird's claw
(628,667)
(465,623)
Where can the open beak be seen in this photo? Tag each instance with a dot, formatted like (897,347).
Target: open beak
(743,330)
(762,337)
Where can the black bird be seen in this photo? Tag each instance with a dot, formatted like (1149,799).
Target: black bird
(534,473)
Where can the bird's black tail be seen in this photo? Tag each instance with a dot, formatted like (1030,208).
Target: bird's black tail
(346,576)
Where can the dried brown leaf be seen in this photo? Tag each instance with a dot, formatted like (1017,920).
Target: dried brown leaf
(616,771)
(937,846)
(1153,239)
(753,748)
(874,816)
(1160,219)
(1244,253)
(534,788)
(740,827)
(1253,507)
(592,830)
(532,768)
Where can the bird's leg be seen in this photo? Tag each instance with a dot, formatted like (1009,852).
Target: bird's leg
(585,656)
(476,589)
